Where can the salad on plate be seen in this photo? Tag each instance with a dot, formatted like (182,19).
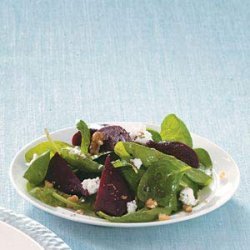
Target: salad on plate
(121,173)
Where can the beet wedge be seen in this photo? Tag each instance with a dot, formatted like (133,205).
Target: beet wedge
(113,134)
(113,193)
(177,149)
(63,178)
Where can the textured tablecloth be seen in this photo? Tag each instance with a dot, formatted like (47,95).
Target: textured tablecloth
(129,61)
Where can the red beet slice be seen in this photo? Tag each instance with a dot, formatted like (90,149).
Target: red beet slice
(179,150)
(77,137)
(113,193)
(113,134)
(63,178)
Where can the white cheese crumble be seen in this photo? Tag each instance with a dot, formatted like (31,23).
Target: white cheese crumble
(76,151)
(136,162)
(35,156)
(208,172)
(187,197)
(131,206)
(91,185)
(143,137)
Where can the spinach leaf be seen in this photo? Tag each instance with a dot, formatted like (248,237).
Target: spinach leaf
(83,128)
(146,154)
(155,135)
(37,171)
(45,195)
(174,129)
(204,157)
(86,207)
(80,161)
(142,215)
(132,178)
(186,182)
(199,177)
(161,183)
(55,198)
(43,147)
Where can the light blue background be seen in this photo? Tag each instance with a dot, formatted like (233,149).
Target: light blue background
(129,61)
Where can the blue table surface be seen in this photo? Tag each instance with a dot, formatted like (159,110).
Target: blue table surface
(129,61)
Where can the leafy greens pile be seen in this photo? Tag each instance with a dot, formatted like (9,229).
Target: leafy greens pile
(167,164)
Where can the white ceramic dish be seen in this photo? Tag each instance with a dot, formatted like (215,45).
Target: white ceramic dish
(45,238)
(14,239)
(218,193)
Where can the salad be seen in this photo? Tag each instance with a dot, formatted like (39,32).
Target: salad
(121,174)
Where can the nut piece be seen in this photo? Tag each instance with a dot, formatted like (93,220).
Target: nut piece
(79,211)
(187,208)
(124,197)
(163,217)
(222,174)
(96,141)
(48,184)
(73,198)
(150,203)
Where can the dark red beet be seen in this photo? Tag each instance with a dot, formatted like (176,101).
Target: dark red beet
(113,134)
(77,139)
(113,193)
(177,149)
(63,178)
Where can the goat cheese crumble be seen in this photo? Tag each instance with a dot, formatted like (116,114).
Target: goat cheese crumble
(187,197)
(76,151)
(143,137)
(136,162)
(131,206)
(91,185)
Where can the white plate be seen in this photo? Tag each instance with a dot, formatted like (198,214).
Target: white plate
(39,233)
(14,239)
(219,192)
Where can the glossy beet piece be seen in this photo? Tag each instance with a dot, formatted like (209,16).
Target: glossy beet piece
(63,178)
(113,134)
(77,137)
(177,149)
(113,193)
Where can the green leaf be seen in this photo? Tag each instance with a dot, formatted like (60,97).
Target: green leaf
(155,135)
(121,151)
(43,147)
(174,129)
(45,195)
(143,215)
(146,154)
(161,183)
(37,171)
(80,161)
(83,128)
(186,182)
(199,177)
(132,178)
(204,157)
(55,198)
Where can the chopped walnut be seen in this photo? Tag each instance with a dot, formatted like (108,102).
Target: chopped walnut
(124,197)
(150,203)
(73,198)
(222,174)
(163,217)
(48,184)
(187,208)
(96,141)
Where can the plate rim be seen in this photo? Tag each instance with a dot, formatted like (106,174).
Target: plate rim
(102,222)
